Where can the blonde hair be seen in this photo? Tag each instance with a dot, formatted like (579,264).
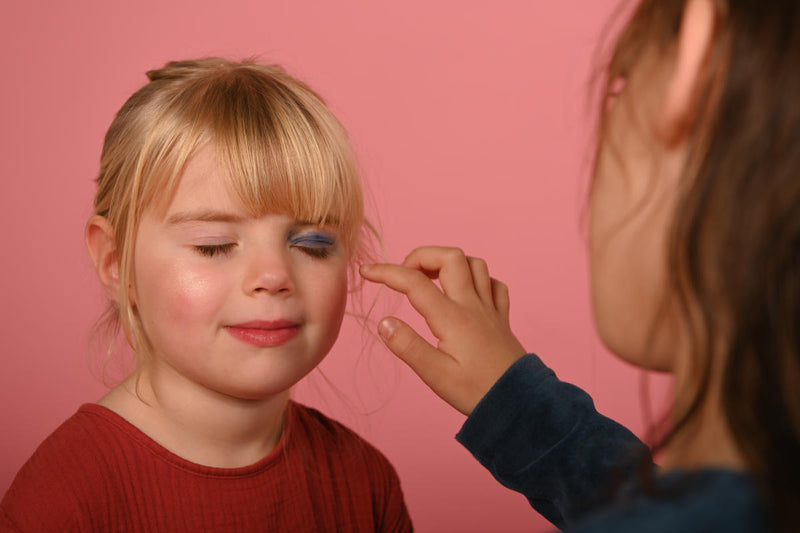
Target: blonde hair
(280,147)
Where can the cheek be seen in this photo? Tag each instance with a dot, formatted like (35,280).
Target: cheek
(622,293)
(193,287)
(627,260)
(334,305)
(178,294)
(328,294)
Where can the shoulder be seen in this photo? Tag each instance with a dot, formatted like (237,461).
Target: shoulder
(325,441)
(71,448)
(344,459)
(319,430)
(66,471)
(713,500)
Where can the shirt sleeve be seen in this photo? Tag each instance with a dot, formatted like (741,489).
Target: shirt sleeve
(543,438)
(389,507)
(40,498)
(395,517)
(6,525)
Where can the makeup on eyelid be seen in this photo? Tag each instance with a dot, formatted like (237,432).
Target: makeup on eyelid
(317,244)
(314,239)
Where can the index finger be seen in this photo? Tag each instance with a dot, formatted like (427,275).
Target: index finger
(421,292)
(449,265)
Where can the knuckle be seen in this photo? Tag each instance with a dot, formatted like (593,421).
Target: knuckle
(417,278)
(407,279)
(479,264)
(499,284)
(418,250)
(455,254)
(406,344)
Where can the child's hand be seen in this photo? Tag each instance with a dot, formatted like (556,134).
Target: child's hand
(469,316)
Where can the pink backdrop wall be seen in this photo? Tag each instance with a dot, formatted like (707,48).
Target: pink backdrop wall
(470,124)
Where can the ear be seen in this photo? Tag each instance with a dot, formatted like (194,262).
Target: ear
(103,252)
(676,113)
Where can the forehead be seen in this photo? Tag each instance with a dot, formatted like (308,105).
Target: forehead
(203,184)
(248,184)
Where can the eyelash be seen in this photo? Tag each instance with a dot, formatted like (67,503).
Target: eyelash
(211,250)
(318,246)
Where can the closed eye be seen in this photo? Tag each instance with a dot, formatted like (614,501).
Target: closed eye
(211,250)
(315,244)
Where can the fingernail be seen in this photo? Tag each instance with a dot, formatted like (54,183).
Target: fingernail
(365,268)
(386,328)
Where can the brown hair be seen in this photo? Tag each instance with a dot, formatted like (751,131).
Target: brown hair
(734,248)
(282,149)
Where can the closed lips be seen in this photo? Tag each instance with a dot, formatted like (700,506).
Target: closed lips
(265,333)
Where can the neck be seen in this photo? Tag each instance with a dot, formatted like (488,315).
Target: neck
(196,423)
(705,440)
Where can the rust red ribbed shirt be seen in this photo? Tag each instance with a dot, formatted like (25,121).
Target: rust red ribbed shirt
(97,472)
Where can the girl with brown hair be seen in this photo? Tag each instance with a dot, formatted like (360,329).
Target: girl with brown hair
(694,252)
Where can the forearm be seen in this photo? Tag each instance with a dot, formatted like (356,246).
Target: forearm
(543,438)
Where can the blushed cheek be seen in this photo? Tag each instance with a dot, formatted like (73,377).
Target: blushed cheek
(192,291)
(180,296)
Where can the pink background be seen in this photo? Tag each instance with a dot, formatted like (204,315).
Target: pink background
(470,122)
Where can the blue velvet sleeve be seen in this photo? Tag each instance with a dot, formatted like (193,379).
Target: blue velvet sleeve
(543,438)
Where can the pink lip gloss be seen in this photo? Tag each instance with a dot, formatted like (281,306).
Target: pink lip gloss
(264,333)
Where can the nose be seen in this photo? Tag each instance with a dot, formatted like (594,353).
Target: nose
(270,272)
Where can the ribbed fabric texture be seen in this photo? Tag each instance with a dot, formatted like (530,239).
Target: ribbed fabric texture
(97,472)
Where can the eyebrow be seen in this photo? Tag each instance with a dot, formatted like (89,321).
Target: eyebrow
(203,216)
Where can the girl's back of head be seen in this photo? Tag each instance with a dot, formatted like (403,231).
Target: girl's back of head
(734,244)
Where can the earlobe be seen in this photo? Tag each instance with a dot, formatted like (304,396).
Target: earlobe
(678,106)
(103,251)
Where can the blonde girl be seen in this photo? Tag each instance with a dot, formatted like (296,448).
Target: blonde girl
(695,270)
(227,219)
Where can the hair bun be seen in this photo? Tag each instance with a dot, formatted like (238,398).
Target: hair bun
(185,68)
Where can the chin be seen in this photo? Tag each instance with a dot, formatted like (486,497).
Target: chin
(638,351)
(250,388)
(631,340)
(253,393)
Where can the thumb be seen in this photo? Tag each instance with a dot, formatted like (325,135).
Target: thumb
(404,342)
(433,366)
(408,345)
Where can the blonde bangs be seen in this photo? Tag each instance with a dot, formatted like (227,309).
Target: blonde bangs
(279,146)
(284,152)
